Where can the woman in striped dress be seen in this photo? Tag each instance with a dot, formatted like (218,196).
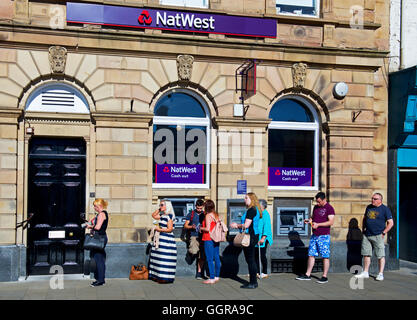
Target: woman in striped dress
(163,260)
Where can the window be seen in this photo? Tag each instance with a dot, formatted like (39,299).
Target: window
(293,145)
(181,141)
(298,7)
(57,97)
(186,3)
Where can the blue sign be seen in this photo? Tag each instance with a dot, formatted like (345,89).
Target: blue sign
(241,186)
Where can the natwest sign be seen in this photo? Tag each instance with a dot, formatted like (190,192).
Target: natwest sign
(170,20)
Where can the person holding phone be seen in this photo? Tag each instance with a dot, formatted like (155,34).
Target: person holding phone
(321,221)
(99,224)
(163,260)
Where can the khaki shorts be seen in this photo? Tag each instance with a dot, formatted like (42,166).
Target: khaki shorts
(194,246)
(373,242)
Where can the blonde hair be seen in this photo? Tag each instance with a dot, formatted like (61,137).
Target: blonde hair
(254,202)
(99,201)
(170,208)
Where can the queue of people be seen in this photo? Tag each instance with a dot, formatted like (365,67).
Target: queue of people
(256,222)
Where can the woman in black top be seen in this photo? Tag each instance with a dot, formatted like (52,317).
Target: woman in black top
(99,224)
(251,201)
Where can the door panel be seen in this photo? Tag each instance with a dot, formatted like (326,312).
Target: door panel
(408,217)
(56,196)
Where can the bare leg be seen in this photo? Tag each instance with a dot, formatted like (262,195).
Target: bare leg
(381,263)
(310,265)
(326,266)
(366,263)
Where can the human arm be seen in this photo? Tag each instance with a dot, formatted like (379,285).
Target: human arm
(207,222)
(187,225)
(328,223)
(99,222)
(168,229)
(156,214)
(390,224)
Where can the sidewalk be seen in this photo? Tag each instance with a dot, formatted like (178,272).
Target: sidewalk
(398,285)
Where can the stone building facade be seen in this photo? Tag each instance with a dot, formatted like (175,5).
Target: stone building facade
(120,74)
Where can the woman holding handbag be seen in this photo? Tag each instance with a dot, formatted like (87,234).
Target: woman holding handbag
(211,248)
(99,224)
(251,219)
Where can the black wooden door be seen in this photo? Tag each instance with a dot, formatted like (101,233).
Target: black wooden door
(56,197)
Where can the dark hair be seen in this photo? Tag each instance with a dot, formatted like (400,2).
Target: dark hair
(199,203)
(320,195)
(210,207)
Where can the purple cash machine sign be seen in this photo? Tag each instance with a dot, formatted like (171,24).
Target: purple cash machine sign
(179,173)
(290,177)
(131,17)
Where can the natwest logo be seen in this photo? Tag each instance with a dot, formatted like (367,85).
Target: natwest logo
(145,18)
(184,20)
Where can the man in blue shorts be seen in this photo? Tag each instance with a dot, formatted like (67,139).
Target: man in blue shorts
(321,221)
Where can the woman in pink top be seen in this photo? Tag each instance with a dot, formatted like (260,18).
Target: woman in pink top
(211,248)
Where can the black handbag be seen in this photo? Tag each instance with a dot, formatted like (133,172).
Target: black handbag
(94,241)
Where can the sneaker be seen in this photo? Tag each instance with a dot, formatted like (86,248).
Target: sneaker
(303,277)
(264,275)
(379,277)
(363,275)
(216,279)
(322,280)
(209,281)
(97,284)
(198,276)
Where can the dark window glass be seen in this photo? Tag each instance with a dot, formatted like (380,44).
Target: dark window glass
(179,104)
(290,110)
(291,149)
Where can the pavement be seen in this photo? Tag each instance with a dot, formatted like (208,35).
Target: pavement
(397,285)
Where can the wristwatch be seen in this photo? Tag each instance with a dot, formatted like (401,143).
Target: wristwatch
(384,233)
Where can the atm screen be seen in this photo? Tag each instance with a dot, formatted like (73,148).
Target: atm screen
(287,219)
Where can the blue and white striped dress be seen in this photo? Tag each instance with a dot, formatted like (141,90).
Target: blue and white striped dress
(163,261)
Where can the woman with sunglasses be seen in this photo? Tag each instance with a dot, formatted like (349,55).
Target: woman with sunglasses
(163,260)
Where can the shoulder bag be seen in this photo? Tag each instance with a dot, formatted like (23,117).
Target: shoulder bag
(242,239)
(94,241)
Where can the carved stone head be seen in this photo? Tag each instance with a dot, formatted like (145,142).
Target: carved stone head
(299,73)
(57,59)
(185,67)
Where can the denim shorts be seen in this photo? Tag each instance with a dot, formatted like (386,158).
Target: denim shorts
(319,245)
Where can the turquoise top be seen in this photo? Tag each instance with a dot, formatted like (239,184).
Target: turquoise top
(265,229)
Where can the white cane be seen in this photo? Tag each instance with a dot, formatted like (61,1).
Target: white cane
(259,251)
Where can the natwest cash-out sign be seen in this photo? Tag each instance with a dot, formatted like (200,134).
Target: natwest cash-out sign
(290,177)
(130,17)
(179,173)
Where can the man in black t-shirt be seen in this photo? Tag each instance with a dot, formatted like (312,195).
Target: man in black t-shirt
(377,221)
(196,246)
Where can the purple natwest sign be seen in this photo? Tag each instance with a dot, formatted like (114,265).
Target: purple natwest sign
(179,173)
(278,176)
(170,20)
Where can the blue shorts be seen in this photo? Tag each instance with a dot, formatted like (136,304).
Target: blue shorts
(319,245)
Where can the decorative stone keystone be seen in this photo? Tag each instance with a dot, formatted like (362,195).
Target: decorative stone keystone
(185,67)
(57,59)
(299,73)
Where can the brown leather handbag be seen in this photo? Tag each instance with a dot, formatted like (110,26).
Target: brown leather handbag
(139,272)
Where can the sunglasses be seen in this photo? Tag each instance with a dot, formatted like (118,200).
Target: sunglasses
(376,199)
